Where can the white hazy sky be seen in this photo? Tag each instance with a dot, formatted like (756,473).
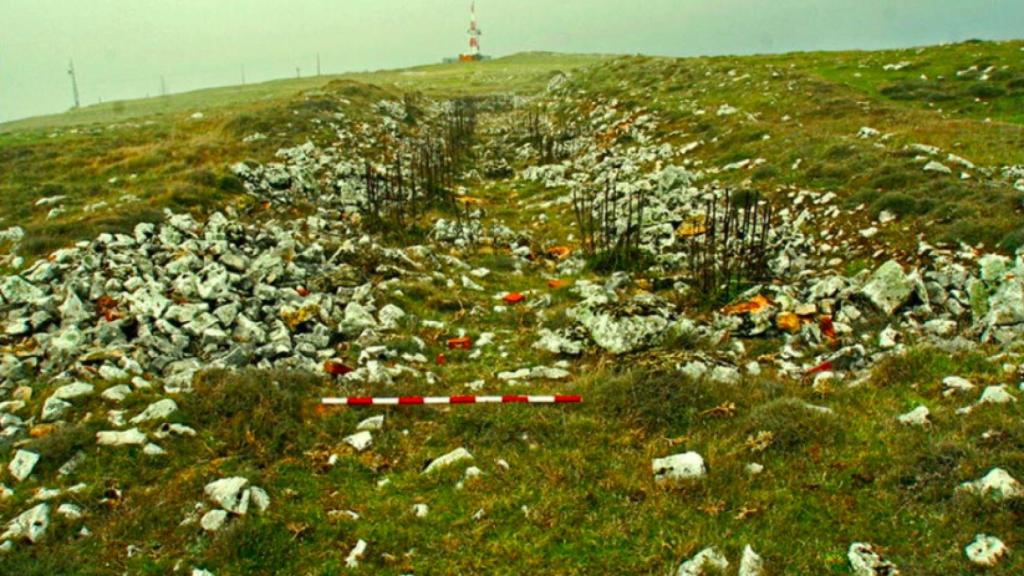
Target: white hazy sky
(122,47)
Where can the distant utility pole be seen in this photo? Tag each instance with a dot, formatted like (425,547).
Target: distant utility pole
(318,64)
(243,74)
(163,86)
(298,72)
(74,82)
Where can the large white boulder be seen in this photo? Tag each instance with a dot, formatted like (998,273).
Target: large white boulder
(29,525)
(889,287)
(686,466)
(997,483)
(231,494)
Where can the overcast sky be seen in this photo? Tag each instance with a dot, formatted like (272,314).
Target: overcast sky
(122,47)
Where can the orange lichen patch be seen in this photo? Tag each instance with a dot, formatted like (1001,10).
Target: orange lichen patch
(788,321)
(107,307)
(691,229)
(296,318)
(470,200)
(514,298)
(558,283)
(335,368)
(755,304)
(41,430)
(463,343)
(559,252)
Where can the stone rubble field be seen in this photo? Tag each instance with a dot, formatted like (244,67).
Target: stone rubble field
(109,346)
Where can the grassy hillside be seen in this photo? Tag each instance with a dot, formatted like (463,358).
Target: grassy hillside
(120,163)
(560,489)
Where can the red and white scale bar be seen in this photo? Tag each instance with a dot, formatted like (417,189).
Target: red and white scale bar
(421,400)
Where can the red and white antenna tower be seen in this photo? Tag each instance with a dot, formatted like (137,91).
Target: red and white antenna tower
(474,35)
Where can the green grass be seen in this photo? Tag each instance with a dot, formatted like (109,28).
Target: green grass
(829,479)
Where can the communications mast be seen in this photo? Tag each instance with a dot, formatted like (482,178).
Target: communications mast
(474,38)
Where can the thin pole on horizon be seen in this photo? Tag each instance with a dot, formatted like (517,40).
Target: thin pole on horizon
(74,82)
(318,64)
(243,74)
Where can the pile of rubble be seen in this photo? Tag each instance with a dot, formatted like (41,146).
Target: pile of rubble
(826,320)
(184,295)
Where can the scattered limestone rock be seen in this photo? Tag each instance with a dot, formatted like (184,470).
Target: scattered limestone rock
(706,561)
(357,318)
(259,498)
(352,560)
(997,483)
(152,449)
(360,440)
(230,494)
(557,344)
(132,437)
(1006,306)
(916,417)
(936,166)
(686,466)
(371,423)
(158,410)
(725,375)
(865,561)
(956,384)
(70,511)
(30,525)
(16,290)
(116,393)
(888,338)
(54,409)
(420,510)
(991,395)
(889,287)
(751,563)
(996,395)
(73,391)
(985,550)
(868,132)
(214,520)
(390,315)
(448,459)
(625,334)
(22,464)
